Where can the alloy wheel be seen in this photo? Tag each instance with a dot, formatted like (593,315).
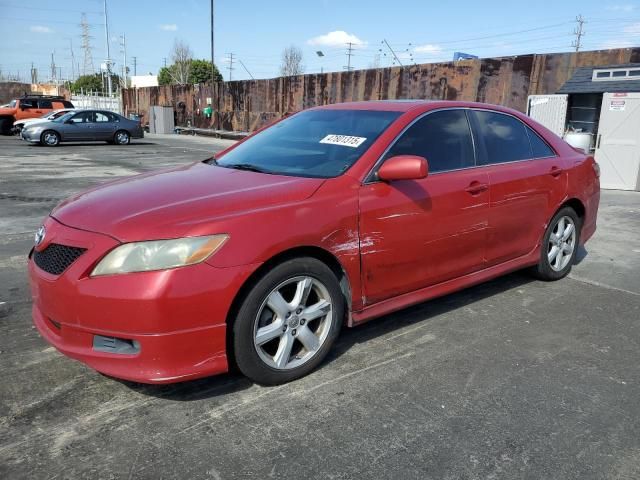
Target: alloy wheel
(562,243)
(122,138)
(293,323)
(50,138)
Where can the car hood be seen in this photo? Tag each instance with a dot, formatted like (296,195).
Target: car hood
(31,121)
(185,201)
(7,111)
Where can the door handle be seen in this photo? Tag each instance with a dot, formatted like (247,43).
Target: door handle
(555,171)
(476,187)
(598,142)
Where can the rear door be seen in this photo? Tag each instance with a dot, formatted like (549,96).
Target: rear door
(416,233)
(104,126)
(618,141)
(527,180)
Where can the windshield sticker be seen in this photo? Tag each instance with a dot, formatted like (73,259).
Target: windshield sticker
(344,140)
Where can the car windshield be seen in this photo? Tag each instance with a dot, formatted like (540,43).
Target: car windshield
(315,143)
(13,103)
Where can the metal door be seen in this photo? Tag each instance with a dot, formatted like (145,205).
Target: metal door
(550,111)
(618,141)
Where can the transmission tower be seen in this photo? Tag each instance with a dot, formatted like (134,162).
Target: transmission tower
(88,67)
(579,33)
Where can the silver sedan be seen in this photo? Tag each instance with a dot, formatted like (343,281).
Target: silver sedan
(84,125)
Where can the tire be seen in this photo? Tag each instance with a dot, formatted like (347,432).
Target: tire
(557,254)
(121,137)
(5,126)
(50,138)
(299,323)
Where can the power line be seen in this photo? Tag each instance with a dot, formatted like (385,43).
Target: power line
(392,52)
(579,33)
(245,69)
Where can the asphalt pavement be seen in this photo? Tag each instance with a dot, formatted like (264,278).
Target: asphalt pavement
(513,379)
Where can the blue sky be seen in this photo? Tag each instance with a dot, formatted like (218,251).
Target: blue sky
(257,31)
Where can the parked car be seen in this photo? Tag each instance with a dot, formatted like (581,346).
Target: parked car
(29,106)
(84,125)
(335,215)
(18,125)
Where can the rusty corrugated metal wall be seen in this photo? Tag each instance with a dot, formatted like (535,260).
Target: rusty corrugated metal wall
(249,104)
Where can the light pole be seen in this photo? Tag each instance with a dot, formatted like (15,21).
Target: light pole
(320,54)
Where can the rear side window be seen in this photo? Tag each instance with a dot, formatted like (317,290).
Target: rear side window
(44,104)
(505,137)
(442,137)
(102,117)
(67,104)
(28,104)
(539,147)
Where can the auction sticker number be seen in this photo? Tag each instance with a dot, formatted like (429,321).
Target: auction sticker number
(344,140)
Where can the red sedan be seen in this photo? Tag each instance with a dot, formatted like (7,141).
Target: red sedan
(332,216)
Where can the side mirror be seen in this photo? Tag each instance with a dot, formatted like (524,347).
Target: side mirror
(404,167)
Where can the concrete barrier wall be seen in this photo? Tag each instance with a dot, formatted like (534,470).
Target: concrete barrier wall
(249,104)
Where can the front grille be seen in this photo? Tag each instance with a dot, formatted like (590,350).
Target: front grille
(56,258)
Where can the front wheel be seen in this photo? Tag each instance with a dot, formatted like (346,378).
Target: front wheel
(122,137)
(559,245)
(50,138)
(288,321)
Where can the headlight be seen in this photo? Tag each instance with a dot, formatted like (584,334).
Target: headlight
(158,254)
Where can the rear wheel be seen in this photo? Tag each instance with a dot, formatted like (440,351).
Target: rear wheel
(121,137)
(50,138)
(559,245)
(5,126)
(288,321)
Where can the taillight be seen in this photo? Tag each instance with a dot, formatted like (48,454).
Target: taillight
(596,168)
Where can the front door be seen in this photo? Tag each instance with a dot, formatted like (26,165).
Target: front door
(416,233)
(618,141)
(79,127)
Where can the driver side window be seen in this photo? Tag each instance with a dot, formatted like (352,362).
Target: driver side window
(442,137)
(82,117)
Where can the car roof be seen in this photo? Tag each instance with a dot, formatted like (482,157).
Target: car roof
(406,105)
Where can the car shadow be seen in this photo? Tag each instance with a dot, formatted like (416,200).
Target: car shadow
(232,382)
(88,144)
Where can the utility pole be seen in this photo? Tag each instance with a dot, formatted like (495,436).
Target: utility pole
(88,67)
(73,60)
(245,69)
(53,67)
(106,37)
(579,32)
(392,52)
(349,53)
(34,74)
(165,62)
(213,65)
(124,64)
(135,66)
(230,67)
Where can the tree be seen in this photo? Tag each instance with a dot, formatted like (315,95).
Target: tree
(91,83)
(181,57)
(291,62)
(199,72)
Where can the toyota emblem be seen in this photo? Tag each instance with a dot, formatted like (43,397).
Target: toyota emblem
(39,236)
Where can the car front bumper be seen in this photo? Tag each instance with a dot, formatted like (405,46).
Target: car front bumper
(30,135)
(172,323)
